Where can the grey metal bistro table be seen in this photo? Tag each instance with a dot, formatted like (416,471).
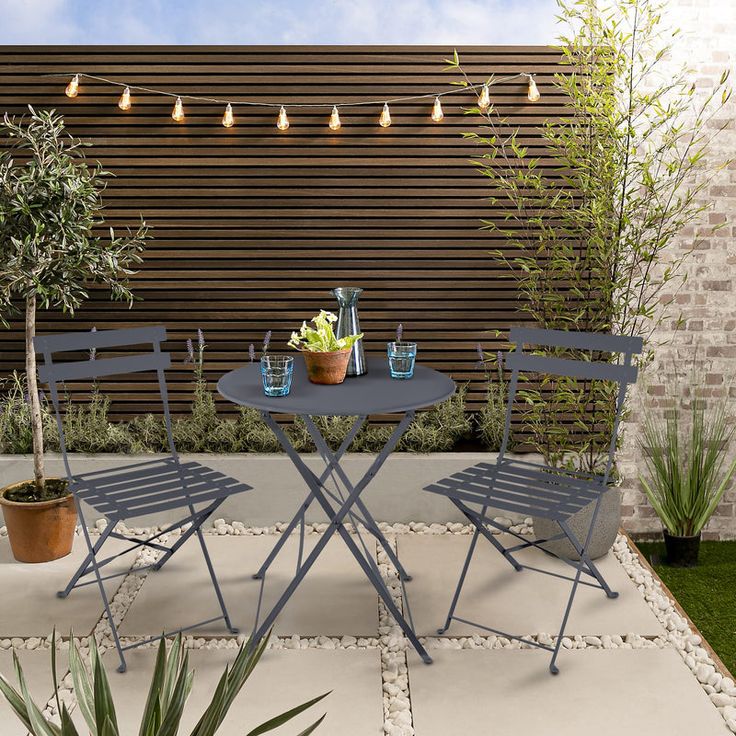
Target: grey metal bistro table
(374,393)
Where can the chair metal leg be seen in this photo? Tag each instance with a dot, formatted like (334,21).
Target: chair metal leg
(460,582)
(196,522)
(589,564)
(95,568)
(232,629)
(84,568)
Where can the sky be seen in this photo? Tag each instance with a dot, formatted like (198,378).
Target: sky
(436,22)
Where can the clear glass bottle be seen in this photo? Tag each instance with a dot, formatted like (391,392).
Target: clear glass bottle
(348,323)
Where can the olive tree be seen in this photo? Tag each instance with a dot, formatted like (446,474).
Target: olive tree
(51,251)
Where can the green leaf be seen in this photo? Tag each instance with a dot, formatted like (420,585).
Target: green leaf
(286,716)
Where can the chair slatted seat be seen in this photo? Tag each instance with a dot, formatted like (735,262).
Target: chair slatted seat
(140,488)
(151,488)
(521,488)
(524,488)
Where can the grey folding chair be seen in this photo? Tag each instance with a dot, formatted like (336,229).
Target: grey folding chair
(137,489)
(535,489)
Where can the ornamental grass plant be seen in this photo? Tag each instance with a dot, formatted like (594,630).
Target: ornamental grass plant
(686,452)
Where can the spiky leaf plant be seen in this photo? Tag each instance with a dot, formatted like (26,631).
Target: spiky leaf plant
(167,696)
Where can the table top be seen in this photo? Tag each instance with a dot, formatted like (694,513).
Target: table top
(373,393)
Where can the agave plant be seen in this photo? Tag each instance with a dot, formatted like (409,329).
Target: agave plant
(170,688)
(685,478)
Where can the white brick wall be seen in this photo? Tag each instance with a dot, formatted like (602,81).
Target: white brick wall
(708,299)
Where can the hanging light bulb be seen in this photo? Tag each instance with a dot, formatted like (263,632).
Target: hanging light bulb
(124,101)
(437,115)
(227,118)
(484,99)
(385,120)
(72,89)
(283,121)
(178,112)
(335,123)
(533,94)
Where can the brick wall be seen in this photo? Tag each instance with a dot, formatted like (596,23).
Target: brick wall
(707,301)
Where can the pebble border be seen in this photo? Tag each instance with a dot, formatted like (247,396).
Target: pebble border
(393,646)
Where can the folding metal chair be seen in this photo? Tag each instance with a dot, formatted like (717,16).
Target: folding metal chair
(137,489)
(533,489)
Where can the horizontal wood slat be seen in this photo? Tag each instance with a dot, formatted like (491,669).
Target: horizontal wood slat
(253,226)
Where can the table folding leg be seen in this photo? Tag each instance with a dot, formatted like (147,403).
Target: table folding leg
(346,505)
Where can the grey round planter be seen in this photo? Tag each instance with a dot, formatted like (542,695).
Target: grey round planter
(606,528)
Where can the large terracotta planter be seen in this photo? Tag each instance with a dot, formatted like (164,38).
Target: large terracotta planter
(39,531)
(327,368)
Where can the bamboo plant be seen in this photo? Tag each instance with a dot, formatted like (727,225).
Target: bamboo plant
(170,687)
(590,215)
(50,252)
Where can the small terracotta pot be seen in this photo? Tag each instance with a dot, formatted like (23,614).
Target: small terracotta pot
(39,531)
(327,368)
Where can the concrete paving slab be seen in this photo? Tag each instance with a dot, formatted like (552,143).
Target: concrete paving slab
(601,692)
(524,602)
(334,599)
(28,604)
(282,680)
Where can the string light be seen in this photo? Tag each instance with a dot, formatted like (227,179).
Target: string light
(385,120)
(484,99)
(124,101)
(227,118)
(178,112)
(72,89)
(533,93)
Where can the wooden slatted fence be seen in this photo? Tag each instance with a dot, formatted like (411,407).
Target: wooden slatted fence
(254,226)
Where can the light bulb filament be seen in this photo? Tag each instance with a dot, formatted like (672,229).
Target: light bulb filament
(178,111)
(72,89)
(484,99)
(227,118)
(385,120)
(533,93)
(283,120)
(437,114)
(124,101)
(335,123)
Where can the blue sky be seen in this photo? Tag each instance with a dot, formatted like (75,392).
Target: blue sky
(277,22)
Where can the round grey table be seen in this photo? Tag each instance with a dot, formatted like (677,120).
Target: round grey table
(373,393)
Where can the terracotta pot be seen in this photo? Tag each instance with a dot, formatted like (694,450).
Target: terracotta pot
(39,531)
(327,368)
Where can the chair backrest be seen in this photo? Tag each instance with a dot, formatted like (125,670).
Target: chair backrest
(623,372)
(53,373)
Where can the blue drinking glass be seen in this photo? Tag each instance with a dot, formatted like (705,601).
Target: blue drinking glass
(401,358)
(276,372)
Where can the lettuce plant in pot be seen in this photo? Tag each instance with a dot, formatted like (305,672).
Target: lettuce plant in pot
(686,475)
(50,208)
(326,356)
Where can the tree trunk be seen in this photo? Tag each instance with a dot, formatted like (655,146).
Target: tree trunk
(33,397)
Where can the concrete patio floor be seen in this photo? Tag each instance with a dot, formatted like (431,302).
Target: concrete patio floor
(624,665)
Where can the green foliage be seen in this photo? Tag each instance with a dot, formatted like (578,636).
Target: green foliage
(170,687)
(491,419)
(87,427)
(321,338)
(50,206)
(585,240)
(15,417)
(685,457)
